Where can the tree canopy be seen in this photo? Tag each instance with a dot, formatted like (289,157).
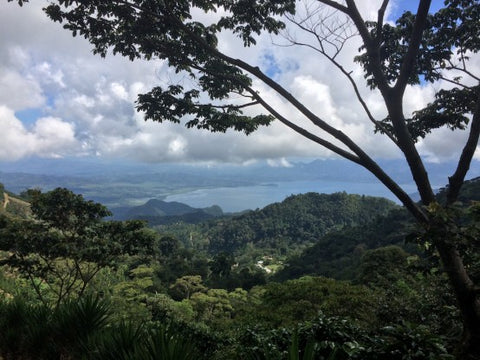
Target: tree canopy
(65,243)
(419,47)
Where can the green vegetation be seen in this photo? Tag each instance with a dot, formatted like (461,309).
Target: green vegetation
(64,244)
(298,221)
(78,286)
(417,48)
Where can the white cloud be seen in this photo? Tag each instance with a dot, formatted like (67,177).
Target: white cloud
(49,137)
(119,91)
(18,91)
(89,101)
(282,162)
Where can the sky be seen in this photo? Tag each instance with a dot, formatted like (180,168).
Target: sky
(58,100)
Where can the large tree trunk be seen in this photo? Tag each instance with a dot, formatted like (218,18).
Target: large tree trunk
(466,294)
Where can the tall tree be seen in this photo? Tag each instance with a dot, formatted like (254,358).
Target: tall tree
(64,245)
(421,47)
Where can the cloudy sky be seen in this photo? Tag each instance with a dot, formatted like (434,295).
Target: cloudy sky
(59,100)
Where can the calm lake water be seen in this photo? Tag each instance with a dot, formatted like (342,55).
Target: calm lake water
(233,199)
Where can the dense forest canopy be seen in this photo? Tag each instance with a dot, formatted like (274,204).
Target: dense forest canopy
(391,299)
(299,219)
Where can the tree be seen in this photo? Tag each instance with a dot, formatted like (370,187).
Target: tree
(186,286)
(421,47)
(66,243)
(221,264)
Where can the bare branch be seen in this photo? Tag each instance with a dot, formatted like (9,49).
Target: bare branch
(455,82)
(321,38)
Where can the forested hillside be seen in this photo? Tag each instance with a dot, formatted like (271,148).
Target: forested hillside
(338,253)
(470,192)
(282,228)
(229,288)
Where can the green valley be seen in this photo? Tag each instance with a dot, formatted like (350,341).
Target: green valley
(331,275)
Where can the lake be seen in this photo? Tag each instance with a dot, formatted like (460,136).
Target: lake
(234,199)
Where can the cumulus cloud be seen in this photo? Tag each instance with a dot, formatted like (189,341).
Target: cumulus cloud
(18,91)
(49,137)
(86,103)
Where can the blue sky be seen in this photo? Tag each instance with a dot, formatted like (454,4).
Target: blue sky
(409,5)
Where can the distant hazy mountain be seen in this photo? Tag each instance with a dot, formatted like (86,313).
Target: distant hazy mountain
(121,183)
(155,209)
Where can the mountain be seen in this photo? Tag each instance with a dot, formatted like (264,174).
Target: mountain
(122,183)
(338,253)
(298,221)
(157,212)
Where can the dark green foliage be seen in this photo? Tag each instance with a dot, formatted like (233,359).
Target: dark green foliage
(82,330)
(337,254)
(38,332)
(205,341)
(299,219)
(77,319)
(301,299)
(221,264)
(66,243)
(374,265)
(164,344)
(121,342)
(130,342)
(334,338)
(407,292)
(168,246)
(407,341)
(66,211)
(451,31)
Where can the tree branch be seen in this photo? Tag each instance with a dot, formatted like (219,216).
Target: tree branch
(409,60)
(372,47)
(361,157)
(381,15)
(302,131)
(224,107)
(456,180)
(335,5)
(364,161)
(332,59)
